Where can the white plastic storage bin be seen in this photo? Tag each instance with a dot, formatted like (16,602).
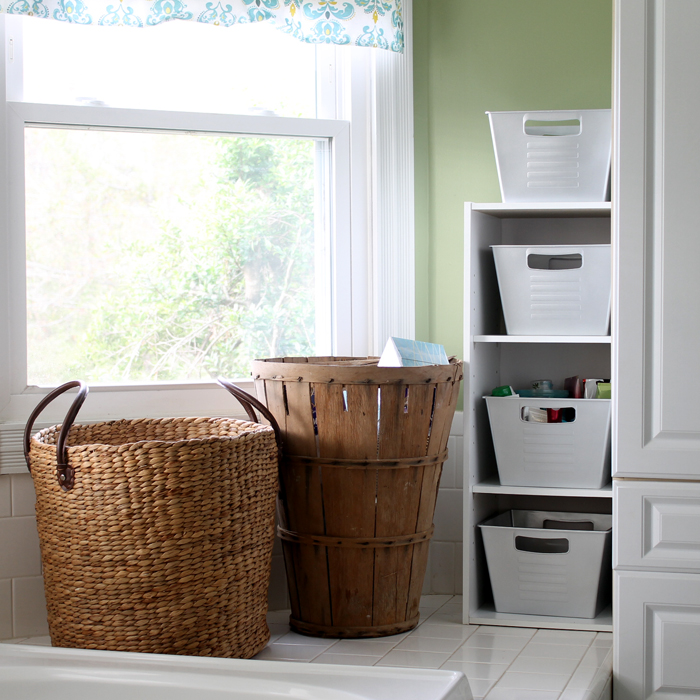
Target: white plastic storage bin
(574,454)
(553,156)
(554,290)
(549,563)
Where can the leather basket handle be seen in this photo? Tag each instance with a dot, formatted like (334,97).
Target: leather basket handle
(249,403)
(64,473)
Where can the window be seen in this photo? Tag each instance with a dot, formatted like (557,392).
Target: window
(173,256)
(346,174)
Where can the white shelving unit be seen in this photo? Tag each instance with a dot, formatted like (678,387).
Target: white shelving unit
(493,358)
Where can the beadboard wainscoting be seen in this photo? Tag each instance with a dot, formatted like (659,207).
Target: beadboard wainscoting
(22,603)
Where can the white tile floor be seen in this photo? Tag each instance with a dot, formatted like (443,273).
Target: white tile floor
(501,663)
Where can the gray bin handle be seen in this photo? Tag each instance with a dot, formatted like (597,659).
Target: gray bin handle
(538,545)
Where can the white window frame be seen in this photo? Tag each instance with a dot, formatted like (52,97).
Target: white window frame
(372,159)
(156,398)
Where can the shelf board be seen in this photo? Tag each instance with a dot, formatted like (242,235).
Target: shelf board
(543,209)
(487,615)
(492,485)
(579,339)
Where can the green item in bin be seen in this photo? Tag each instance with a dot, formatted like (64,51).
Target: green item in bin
(503,391)
(603,390)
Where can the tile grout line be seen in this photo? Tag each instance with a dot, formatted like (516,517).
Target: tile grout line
(488,692)
(571,675)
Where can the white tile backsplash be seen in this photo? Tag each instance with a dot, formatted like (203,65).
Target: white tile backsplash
(23,497)
(459,570)
(5,496)
(277,595)
(29,607)
(6,609)
(442,567)
(451,465)
(19,547)
(448,516)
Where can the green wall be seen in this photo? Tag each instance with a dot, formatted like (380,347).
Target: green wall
(476,55)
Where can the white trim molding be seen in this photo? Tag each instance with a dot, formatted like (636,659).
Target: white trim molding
(393,173)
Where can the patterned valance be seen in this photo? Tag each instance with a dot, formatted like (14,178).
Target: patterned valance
(375,23)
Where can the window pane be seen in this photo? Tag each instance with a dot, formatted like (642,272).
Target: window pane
(156,257)
(184,66)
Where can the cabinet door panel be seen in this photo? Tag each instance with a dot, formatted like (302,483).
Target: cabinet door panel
(657,318)
(657,636)
(657,525)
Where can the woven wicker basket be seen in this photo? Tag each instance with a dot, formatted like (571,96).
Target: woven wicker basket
(157,534)
(363,453)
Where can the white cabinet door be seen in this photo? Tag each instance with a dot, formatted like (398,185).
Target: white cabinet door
(658,655)
(656,220)
(657,526)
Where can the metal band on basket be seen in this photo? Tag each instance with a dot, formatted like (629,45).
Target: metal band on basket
(400,463)
(355,542)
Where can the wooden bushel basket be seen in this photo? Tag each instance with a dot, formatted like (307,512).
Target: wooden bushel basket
(363,448)
(156,534)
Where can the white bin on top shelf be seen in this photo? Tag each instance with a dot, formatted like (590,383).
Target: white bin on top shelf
(549,563)
(552,156)
(554,290)
(574,454)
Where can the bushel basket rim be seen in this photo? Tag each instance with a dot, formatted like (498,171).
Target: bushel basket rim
(352,371)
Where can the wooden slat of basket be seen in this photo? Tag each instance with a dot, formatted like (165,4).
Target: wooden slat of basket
(419,564)
(349,495)
(394,567)
(351,583)
(429,489)
(302,487)
(299,438)
(311,570)
(351,433)
(398,497)
(303,484)
(274,398)
(348,434)
(392,578)
(418,419)
(390,423)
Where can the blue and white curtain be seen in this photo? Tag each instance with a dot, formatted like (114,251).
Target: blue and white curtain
(376,23)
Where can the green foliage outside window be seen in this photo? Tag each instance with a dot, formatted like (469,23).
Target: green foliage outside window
(139,277)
